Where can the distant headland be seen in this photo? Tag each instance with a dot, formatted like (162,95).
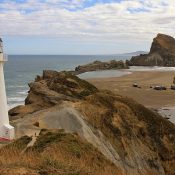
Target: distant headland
(162,53)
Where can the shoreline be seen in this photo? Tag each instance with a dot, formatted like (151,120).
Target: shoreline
(14,99)
(150,98)
(167,112)
(121,83)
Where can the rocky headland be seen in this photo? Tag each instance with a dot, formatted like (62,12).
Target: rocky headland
(100,65)
(162,53)
(68,126)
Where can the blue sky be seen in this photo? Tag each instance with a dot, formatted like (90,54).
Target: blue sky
(83,26)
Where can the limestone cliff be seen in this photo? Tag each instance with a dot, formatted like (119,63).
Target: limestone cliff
(162,53)
(136,140)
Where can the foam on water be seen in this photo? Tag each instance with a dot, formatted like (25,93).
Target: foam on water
(18,99)
(151,68)
(10,106)
(22,92)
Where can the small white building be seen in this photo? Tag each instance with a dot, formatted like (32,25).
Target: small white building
(6,130)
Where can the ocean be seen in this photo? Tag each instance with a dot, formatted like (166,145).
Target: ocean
(22,69)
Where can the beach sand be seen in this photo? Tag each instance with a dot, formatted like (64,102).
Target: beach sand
(144,95)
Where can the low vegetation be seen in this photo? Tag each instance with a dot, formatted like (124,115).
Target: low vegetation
(134,137)
(123,121)
(54,153)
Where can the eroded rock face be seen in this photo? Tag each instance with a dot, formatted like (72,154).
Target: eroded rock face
(162,53)
(52,88)
(137,140)
(99,65)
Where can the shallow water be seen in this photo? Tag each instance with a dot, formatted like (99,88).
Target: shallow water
(104,74)
(151,68)
(168,112)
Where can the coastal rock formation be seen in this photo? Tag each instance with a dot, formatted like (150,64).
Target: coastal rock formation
(162,53)
(130,139)
(99,65)
(52,88)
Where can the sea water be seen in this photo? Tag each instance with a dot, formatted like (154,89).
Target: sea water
(22,69)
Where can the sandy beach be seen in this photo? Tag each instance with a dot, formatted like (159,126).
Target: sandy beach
(145,95)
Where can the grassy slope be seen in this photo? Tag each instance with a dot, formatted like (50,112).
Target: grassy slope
(129,126)
(54,153)
(123,121)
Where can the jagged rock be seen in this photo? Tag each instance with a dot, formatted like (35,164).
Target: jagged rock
(99,65)
(50,89)
(162,53)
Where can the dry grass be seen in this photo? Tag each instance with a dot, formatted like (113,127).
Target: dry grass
(64,154)
(123,121)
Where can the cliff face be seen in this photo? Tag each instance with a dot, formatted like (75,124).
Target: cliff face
(162,53)
(136,140)
(163,44)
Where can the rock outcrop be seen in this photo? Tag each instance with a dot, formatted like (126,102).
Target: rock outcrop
(52,88)
(162,53)
(99,65)
(136,140)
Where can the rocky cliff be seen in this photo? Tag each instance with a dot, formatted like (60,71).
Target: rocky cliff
(128,138)
(99,65)
(162,53)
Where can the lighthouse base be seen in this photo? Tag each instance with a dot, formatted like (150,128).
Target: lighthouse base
(7,133)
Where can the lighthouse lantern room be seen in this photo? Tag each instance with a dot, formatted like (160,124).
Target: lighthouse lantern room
(6,130)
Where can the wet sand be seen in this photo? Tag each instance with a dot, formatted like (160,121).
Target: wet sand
(145,95)
(168,112)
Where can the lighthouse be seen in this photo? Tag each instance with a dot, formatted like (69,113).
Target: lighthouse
(6,130)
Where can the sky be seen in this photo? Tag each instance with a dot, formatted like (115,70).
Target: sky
(83,26)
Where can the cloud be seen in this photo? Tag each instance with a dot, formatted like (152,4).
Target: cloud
(88,19)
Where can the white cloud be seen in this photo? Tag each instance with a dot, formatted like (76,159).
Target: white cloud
(129,19)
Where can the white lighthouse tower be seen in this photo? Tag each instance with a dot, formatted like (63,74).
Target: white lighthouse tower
(6,130)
